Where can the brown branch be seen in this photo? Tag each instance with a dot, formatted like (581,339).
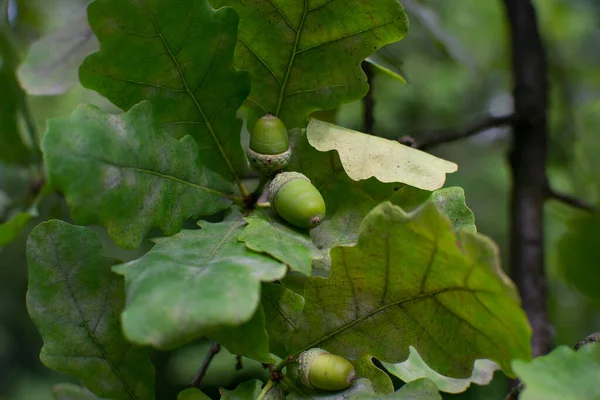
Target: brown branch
(594,337)
(212,352)
(435,138)
(528,164)
(569,200)
(368,100)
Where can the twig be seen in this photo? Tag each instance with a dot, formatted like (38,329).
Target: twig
(528,165)
(436,138)
(212,352)
(267,387)
(238,363)
(594,337)
(568,199)
(515,392)
(368,100)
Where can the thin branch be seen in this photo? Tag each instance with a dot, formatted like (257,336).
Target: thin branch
(594,337)
(515,392)
(368,100)
(528,165)
(569,200)
(212,352)
(435,138)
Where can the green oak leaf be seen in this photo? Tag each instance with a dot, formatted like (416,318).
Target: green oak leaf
(249,339)
(52,62)
(451,202)
(415,368)
(564,374)
(192,394)
(381,382)
(13,149)
(75,301)
(364,156)
(69,391)
(178,55)
(269,234)
(305,55)
(125,173)
(11,229)
(361,388)
(194,282)
(422,389)
(245,391)
(408,282)
(387,61)
(282,309)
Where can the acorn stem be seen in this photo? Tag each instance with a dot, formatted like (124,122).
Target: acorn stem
(260,188)
(267,387)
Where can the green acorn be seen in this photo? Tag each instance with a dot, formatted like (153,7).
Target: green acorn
(269,150)
(296,200)
(319,369)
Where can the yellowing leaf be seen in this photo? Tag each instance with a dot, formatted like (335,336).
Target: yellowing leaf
(364,156)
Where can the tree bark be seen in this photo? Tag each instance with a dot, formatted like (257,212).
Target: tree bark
(528,163)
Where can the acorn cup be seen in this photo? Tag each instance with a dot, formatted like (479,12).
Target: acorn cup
(269,149)
(296,200)
(318,369)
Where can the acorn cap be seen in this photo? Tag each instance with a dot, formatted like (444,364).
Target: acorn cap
(269,164)
(280,180)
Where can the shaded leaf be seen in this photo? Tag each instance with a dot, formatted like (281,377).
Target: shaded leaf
(380,380)
(11,229)
(415,368)
(269,234)
(383,64)
(563,374)
(249,339)
(422,389)
(361,388)
(364,156)
(52,63)
(192,394)
(407,282)
(179,56)
(451,202)
(305,56)
(75,300)
(245,391)
(68,391)
(13,149)
(125,173)
(194,282)
(282,309)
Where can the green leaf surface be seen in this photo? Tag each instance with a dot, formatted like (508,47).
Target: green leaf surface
(361,388)
(579,251)
(179,56)
(192,394)
(451,202)
(13,149)
(364,156)
(391,68)
(52,62)
(422,389)
(75,301)
(415,368)
(408,282)
(125,173)
(282,309)
(269,234)
(380,380)
(194,282)
(564,374)
(245,391)
(249,339)
(11,229)
(305,55)
(68,391)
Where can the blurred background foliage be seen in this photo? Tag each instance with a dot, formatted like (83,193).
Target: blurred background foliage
(457,65)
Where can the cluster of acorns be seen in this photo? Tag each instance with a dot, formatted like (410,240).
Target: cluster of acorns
(291,194)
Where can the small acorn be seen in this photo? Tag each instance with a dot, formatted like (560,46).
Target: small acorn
(269,150)
(296,200)
(319,369)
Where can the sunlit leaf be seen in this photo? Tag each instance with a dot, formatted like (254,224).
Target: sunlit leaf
(125,173)
(415,368)
(194,282)
(364,156)
(305,55)
(52,63)
(380,380)
(407,282)
(245,391)
(563,374)
(179,56)
(451,202)
(75,301)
